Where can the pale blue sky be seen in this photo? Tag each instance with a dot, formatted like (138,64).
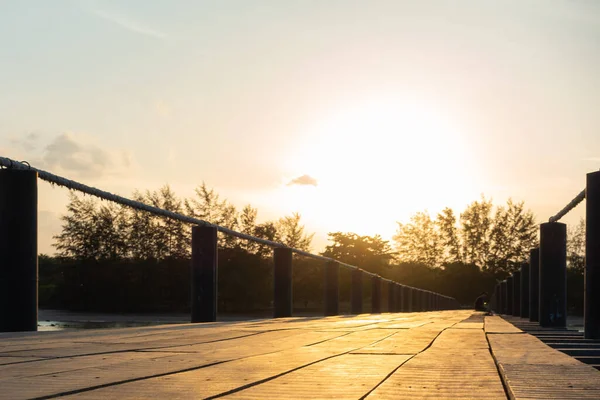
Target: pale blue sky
(405,105)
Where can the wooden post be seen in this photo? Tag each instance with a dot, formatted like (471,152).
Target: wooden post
(416,300)
(18,251)
(553,274)
(407,299)
(398,299)
(357,292)
(204,274)
(282,282)
(516,293)
(509,295)
(534,285)
(332,290)
(376,294)
(592,257)
(504,295)
(392,297)
(494,303)
(525,290)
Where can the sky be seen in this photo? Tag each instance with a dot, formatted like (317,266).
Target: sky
(356,114)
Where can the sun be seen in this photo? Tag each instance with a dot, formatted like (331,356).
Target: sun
(380,161)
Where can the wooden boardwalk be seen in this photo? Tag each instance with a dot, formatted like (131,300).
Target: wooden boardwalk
(434,355)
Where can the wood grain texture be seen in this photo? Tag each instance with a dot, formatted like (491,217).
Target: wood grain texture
(433,355)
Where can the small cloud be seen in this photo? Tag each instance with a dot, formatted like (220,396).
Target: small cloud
(129,24)
(70,153)
(306,180)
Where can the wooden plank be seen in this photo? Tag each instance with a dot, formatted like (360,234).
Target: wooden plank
(403,355)
(57,376)
(234,374)
(444,374)
(444,371)
(495,324)
(350,376)
(533,370)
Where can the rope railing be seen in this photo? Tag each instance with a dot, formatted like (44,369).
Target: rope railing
(73,185)
(18,251)
(572,204)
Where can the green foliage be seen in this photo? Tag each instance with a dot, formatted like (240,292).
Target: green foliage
(419,241)
(497,242)
(291,233)
(371,253)
(142,260)
(576,247)
(101,232)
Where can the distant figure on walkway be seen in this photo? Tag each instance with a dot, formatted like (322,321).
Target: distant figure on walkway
(481,302)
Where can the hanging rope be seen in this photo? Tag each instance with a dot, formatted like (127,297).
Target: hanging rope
(80,187)
(572,204)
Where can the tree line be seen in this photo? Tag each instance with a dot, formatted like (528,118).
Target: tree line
(108,246)
(92,230)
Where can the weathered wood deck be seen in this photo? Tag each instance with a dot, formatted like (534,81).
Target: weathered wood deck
(436,355)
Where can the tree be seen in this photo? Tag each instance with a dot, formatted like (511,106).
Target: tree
(291,233)
(171,237)
(111,231)
(143,228)
(448,234)
(208,206)
(267,231)
(576,247)
(419,241)
(371,253)
(476,227)
(77,239)
(513,234)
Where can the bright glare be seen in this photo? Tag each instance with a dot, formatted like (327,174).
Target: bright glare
(377,163)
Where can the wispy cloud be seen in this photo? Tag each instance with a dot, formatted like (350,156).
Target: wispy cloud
(305,180)
(129,24)
(592,159)
(71,153)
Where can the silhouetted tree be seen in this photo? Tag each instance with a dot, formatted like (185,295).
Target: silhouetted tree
(514,233)
(576,247)
(291,233)
(208,206)
(476,228)
(419,241)
(371,253)
(448,234)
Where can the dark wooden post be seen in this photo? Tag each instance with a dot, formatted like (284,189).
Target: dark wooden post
(204,274)
(376,294)
(592,257)
(534,285)
(517,293)
(18,251)
(494,302)
(332,290)
(416,300)
(407,299)
(357,292)
(509,295)
(525,290)
(282,282)
(398,300)
(392,297)
(504,293)
(553,274)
